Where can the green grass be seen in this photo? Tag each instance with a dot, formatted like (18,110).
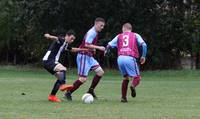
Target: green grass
(161,95)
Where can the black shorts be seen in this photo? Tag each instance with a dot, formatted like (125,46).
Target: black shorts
(49,66)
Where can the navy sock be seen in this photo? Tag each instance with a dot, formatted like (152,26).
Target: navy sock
(56,87)
(62,77)
(61,80)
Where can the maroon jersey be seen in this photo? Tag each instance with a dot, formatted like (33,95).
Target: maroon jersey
(91,37)
(127,44)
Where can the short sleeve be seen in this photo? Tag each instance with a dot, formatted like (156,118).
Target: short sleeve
(61,40)
(139,39)
(90,36)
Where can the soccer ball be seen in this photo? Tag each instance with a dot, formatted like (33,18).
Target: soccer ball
(87,98)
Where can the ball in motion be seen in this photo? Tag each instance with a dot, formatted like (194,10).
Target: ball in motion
(87,98)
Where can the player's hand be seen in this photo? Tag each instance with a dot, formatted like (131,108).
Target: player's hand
(142,60)
(46,35)
(102,48)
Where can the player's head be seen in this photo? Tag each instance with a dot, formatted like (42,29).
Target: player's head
(70,36)
(127,27)
(99,24)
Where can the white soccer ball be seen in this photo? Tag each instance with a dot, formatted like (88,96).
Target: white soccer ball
(87,98)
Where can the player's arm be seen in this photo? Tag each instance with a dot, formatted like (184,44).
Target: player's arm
(48,36)
(78,49)
(144,48)
(91,46)
(111,44)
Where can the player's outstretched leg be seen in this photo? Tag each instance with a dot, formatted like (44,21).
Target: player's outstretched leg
(124,90)
(65,87)
(135,82)
(76,85)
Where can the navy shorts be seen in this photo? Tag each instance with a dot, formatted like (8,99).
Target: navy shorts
(49,66)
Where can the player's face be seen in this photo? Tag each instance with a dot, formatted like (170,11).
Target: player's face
(70,38)
(99,26)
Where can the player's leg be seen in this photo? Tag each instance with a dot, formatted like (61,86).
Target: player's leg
(61,76)
(50,66)
(60,71)
(121,64)
(75,86)
(135,82)
(134,72)
(99,73)
(124,88)
(83,70)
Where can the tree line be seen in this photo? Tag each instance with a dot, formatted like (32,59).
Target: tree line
(171,28)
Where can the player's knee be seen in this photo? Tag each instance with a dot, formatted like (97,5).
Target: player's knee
(59,68)
(99,71)
(83,79)
(63,69)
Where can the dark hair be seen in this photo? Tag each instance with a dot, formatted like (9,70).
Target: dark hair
(70,32)
(99,19)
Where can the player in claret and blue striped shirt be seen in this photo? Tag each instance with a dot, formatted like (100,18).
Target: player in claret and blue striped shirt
(128,44)
(85,59)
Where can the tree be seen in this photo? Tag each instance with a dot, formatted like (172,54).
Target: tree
(170,27)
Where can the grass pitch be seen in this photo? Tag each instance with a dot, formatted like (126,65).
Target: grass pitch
(161,95)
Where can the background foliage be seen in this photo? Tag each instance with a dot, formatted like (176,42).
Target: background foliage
(171,28)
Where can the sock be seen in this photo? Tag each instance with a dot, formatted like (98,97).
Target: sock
(61,80)
(76,85)
(56,87)
(95,81)
(136,81)
(124,88)
(62,76)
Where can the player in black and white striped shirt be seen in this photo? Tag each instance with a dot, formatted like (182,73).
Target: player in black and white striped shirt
(51,61)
